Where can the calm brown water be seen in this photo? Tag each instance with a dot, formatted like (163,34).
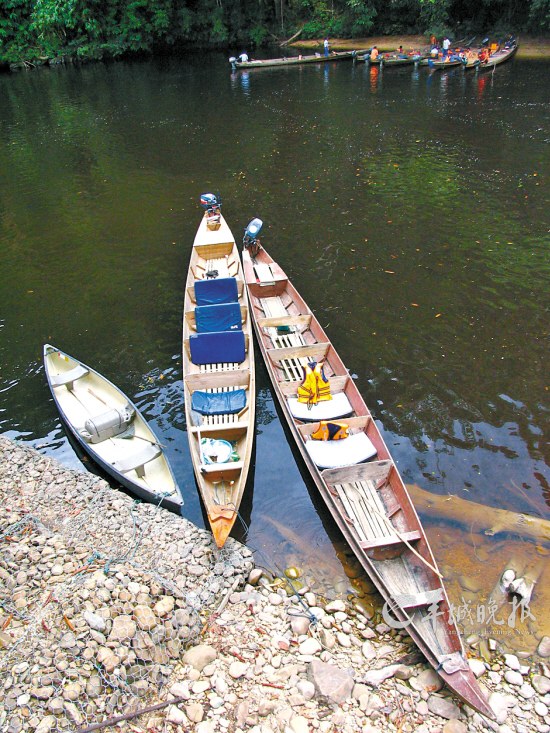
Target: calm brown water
(410,208)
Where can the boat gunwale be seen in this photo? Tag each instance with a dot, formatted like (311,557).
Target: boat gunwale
(458,684)
(241,376)
(173,501)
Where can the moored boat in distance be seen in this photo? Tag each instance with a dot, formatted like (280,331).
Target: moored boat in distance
(291,60)
(498,55)
(352,469)
(109,427)
(391,59)
(218,370)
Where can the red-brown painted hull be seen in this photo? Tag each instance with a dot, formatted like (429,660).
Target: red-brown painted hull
(388,562)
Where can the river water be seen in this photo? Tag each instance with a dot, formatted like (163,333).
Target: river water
(409,207)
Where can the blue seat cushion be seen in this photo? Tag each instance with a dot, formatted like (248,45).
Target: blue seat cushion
(220,317)
(217,290)
(220,403)
(217,347)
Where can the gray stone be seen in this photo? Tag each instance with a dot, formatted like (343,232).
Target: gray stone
(543,649)
(124,628)
(309,647)
(513,678)
(145,618)
(238,669)
(427,681)
(94,621)
(541,684)
(375,677)
(455,726)
(199,656)
(164,606)
(176,716)
(195,712)
(368,650)
(331,682)
(443,707)
(500,704)
(46,724)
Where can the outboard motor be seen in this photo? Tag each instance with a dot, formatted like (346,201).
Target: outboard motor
(211,203)
(251,241)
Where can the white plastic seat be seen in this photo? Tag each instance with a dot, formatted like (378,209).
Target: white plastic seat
(337,453)
(338,406)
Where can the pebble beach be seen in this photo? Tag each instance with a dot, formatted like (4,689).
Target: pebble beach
(119,615)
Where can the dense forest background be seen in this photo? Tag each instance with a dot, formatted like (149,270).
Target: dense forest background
(32,30)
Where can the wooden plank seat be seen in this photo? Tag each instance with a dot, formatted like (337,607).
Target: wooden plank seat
(221,467)
(365,510)
(137,461)
(409,601)
(395,539)
(67,378)
(264,274)
(337,453)
(338,406)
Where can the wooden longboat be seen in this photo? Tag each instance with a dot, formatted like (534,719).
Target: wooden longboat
(498,57)
(391,60)
(356,476)
(293,60)
(218,374)
(108,426)
(440,64)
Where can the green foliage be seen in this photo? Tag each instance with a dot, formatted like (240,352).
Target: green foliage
(90,29)
(258,35)
(539,16)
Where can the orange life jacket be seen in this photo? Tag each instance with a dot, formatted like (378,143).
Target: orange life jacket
(315,387)
(331,431)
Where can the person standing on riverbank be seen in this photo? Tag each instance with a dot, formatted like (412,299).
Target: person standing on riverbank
(327,48)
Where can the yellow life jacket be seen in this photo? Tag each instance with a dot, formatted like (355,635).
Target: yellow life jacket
(315,387)
(331,431)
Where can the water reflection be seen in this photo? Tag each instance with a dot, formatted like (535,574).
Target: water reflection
(422,249)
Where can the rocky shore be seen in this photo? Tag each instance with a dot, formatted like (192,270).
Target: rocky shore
(120,615)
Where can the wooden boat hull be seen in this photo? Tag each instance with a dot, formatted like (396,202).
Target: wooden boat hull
(390,61)
(136,460)
(499,57)
(363,490)
(221,485)
(441,65)
(294,60)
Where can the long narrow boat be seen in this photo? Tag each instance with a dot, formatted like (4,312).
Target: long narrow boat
(292,60)
(111,429)
(441,64)
(391,59)
(499,57)
(356,475)
(218,373)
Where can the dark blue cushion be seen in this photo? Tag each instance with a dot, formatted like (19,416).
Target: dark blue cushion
(222,317)
(217,347)
(217,290)
(220,403)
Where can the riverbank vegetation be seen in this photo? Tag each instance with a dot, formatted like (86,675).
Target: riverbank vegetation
(35,31)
